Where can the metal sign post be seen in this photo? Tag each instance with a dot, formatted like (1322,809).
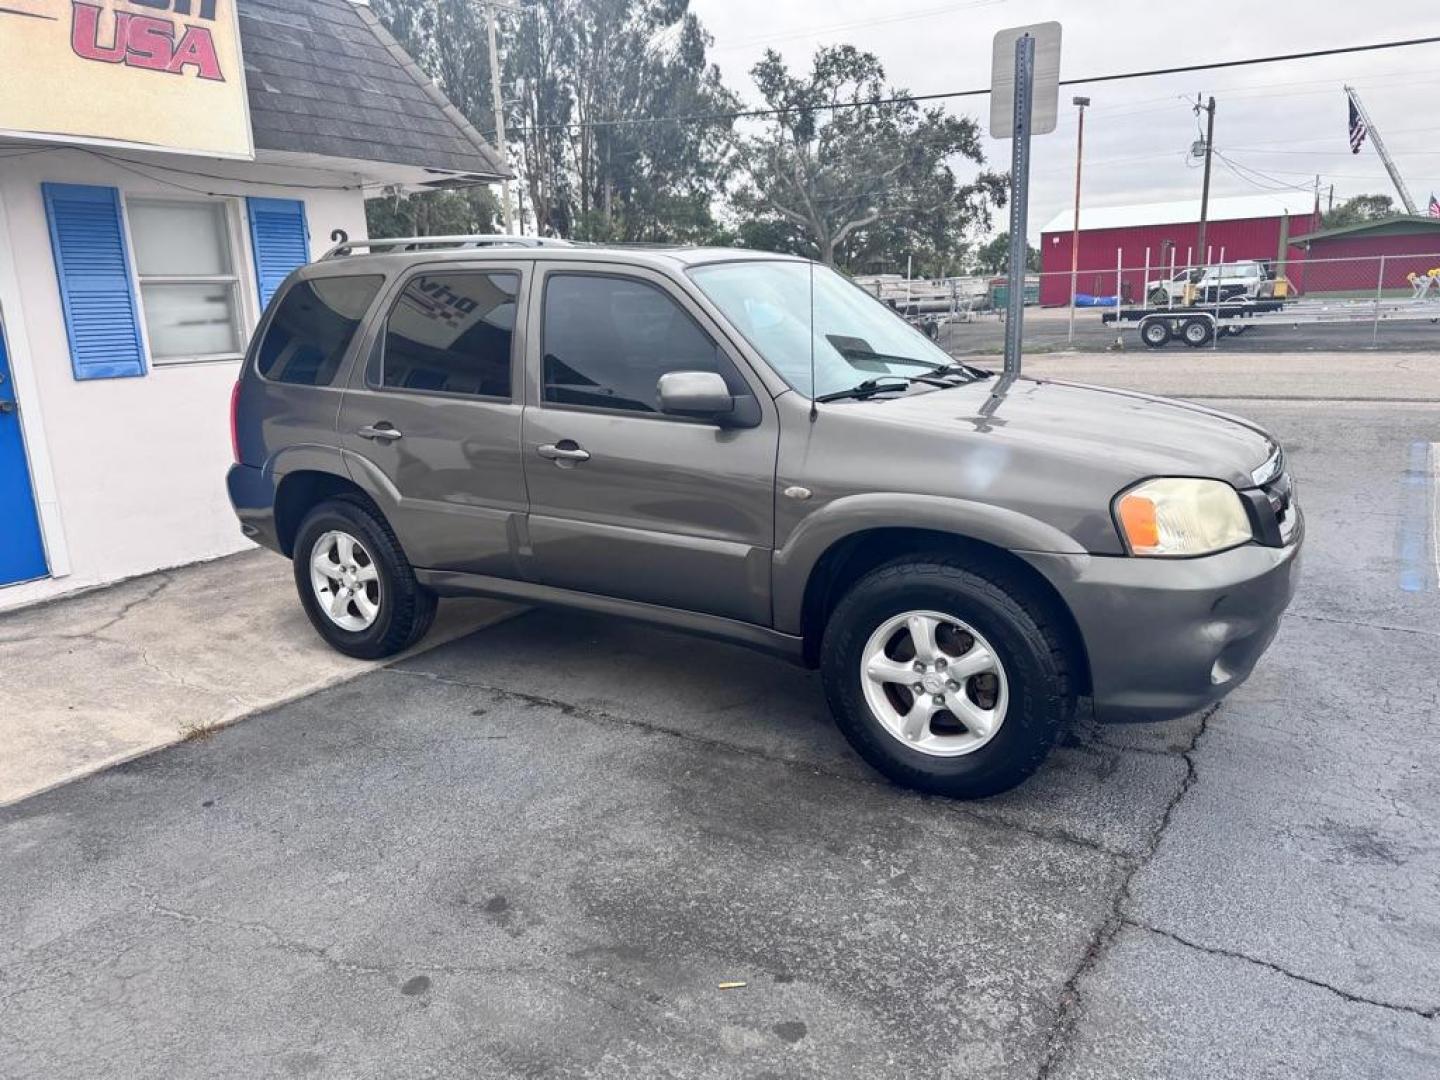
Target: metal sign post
(1019,200)
(1018,110)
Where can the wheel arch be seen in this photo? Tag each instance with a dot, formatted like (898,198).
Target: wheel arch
(301,491)
(853,556)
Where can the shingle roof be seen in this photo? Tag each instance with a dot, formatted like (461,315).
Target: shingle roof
(325,77)
(1394,225)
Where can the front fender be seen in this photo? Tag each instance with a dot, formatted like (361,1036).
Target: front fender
(854,514)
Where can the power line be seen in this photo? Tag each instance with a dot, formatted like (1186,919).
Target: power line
(753,114)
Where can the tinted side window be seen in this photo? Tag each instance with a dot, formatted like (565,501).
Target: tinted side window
(608,340)
(452,332)
(312,328)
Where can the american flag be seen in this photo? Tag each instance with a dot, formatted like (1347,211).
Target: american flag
(1358,130)
(1434,205)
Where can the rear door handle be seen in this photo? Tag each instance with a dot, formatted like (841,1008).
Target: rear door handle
(381,432)
(567,451)
(8,407)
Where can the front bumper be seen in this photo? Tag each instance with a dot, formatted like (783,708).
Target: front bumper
(252,494)
(1167,637)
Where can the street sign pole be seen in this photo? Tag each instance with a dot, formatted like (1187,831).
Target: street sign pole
(1019,200)
(1024,101)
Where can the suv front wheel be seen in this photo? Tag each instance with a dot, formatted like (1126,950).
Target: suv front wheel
(355,583)
(945,678)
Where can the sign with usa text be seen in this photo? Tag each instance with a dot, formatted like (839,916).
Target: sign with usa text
(150,74)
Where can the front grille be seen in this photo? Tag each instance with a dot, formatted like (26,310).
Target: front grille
(1272,508)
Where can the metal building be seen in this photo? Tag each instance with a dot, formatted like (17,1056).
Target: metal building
(1241,227)
(1360,258)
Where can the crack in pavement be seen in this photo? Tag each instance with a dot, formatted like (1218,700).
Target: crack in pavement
(1211,950)
(93,634)
(591,713)
(1363,625)
(1068,1013)
(394,972)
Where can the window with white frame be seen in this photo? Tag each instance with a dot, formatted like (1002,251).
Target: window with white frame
(189,287)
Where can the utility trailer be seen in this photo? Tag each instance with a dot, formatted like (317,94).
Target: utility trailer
(1195,326)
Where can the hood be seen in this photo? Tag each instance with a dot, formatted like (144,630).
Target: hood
(1120,432)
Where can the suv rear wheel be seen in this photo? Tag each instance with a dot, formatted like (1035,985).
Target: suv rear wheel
(944,678)
(355,583)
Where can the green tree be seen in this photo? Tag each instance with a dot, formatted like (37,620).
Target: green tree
(604,86)
(993,256)
(1359,209)
(434,213)
(594,87)
(867,180)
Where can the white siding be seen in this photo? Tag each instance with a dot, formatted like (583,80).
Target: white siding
(130,473)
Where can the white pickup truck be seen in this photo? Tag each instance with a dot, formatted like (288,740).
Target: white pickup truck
(1232,281)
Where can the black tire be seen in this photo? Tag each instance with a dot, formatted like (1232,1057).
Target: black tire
(406,609)
(1159,298)
(1197,333)
(1019,629)
(1155,333)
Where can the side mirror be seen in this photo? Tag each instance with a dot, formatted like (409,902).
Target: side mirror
(699,394)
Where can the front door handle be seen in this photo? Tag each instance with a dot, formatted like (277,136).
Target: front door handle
(381,432)
(8,407)
(565,453)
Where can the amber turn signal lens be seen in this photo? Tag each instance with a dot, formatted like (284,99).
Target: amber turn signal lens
(1137,518)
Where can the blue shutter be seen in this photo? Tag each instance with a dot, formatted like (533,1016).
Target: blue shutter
(96,291)
(280,240)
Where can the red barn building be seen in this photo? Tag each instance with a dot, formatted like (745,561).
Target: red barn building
(1347,260)
(1243,227)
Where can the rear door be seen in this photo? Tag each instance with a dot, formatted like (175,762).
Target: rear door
(642,506)
(434,413)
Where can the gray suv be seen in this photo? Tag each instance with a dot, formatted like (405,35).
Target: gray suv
(749,447)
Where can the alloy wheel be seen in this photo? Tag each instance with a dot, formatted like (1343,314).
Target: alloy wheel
(346,581)
(934,683)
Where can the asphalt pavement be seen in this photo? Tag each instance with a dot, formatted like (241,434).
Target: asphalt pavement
(542,850)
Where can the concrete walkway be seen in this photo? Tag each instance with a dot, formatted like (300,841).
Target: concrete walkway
(115,673)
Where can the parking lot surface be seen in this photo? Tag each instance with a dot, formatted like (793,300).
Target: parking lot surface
(542,849)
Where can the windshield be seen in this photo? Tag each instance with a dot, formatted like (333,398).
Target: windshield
(856,338)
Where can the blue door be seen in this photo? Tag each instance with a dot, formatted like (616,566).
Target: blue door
(22,554)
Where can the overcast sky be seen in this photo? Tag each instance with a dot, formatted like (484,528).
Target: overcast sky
(1286,120)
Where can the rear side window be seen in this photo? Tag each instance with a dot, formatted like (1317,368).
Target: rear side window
(608,340)
(312,328)
(453,333)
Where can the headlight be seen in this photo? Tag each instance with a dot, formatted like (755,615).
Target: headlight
(1182,516)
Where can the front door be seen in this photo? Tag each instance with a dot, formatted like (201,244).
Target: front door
(22,552)
(625,501)
(436,411)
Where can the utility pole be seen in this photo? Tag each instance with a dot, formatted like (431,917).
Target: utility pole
(1080,103)
(1209,109)
(499,106)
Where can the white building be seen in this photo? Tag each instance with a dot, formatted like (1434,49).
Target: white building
(131,278)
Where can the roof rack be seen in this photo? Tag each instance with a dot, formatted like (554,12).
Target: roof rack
(395,245)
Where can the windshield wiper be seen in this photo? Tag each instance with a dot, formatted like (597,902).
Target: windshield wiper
(971,374)
(934,371)
(869,388)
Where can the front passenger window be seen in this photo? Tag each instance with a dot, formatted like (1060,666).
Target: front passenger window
(607,341)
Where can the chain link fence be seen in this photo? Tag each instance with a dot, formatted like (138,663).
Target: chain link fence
(1387,302)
